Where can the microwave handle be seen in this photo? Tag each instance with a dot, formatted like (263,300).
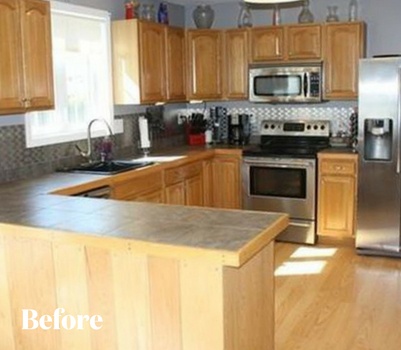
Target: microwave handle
(305,85)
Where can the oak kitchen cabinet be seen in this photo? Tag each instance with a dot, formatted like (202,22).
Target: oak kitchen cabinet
(337,193)
(303,42)
(344,45)
(26,72)
(236,59)
(145,54)
(184,184)
(146,186)
(207,176)
(205,64)
(226,181)
(267,43)
(176,62)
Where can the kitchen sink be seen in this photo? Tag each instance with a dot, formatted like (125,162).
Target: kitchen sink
(158,159)
(110,167)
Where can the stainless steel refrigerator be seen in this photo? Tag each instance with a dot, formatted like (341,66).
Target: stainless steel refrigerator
(378,230)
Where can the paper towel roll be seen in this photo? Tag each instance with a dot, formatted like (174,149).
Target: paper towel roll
(144,132)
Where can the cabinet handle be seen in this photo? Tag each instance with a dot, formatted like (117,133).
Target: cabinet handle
(338,167)
(26,102)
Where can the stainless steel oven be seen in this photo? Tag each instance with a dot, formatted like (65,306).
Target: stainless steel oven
(279,174)
(283,185)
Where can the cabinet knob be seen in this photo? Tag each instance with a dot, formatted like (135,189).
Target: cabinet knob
(338,167)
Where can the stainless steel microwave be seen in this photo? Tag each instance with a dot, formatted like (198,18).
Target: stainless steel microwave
(285,83)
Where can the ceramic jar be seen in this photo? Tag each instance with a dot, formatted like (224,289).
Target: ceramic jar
(203,16)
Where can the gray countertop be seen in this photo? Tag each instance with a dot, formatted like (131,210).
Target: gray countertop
(29,204)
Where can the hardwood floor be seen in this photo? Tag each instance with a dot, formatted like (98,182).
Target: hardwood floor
(333,299)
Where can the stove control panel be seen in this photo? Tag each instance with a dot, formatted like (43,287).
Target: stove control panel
(295,128)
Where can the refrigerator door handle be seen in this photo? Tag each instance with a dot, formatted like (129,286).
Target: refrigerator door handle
(398,123)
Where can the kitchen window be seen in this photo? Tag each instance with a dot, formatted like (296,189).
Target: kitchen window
(82,76)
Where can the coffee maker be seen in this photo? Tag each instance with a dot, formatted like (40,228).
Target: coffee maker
(239,129)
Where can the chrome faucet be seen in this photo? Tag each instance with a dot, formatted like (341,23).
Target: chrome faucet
(88,152)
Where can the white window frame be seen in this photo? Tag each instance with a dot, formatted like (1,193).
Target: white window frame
(98,130)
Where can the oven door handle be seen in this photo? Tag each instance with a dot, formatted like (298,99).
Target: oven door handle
(300,165)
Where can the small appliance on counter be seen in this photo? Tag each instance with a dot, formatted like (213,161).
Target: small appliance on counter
(239,129)
(219,119)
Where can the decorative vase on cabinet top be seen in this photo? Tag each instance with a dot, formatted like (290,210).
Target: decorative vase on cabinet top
(305,15)
(203,16)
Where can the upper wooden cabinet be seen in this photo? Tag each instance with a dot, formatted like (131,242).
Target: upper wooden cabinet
(344,45)
(267,43)
(26,73)
(146,57)
(204,52)
(152,55)
(176,63)
(303,42)
(236,58)
(292,42)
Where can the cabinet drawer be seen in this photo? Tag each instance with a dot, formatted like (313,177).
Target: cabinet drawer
(175,175)
(138,185)
(341,167)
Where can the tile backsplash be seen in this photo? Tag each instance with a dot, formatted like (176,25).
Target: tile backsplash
(18,162)
(337,113)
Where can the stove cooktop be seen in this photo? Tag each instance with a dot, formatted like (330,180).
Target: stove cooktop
(298,139)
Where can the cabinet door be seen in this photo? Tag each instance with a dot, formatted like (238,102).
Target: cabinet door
(151,197)
(304,42)
(152,61)
(336,206)
(176,62)
(236,64)
(226,182)
(194,191)
(344,45)
(207,178)
(267,44)
(37,54)
(175,194)
(205,64)
(11,75)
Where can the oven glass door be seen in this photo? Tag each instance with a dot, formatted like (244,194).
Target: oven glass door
(277,182)
(280,185)
(278,85)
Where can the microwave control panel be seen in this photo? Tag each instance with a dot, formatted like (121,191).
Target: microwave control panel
(315,84)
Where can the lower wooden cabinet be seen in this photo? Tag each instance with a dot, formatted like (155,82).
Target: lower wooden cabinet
(226,181)
(184,185)
(207,179)
(148,187)
(337,193)
(150,197)
(212,182)
(175,194)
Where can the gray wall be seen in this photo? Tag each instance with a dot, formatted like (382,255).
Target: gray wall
(382,18)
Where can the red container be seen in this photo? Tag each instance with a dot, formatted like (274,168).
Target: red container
(196,139)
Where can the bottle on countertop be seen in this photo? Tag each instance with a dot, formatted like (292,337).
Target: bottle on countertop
(162,14)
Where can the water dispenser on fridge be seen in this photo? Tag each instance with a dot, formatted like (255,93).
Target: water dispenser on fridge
(378,135)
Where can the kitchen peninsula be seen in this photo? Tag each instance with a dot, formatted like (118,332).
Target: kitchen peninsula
(160,276)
